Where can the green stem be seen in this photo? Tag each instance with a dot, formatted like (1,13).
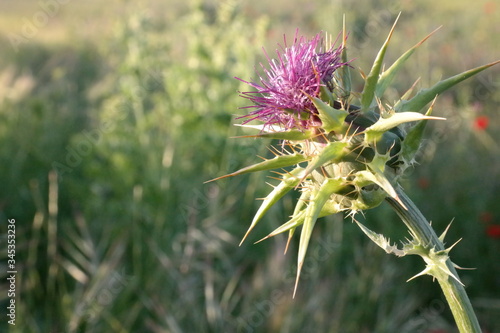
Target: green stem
(454,292)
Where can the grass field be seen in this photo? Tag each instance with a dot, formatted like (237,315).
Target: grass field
(114,114)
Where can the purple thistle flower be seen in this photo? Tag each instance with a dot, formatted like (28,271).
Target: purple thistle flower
(283,96)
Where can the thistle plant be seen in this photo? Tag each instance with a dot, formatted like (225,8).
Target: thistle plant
(345,151)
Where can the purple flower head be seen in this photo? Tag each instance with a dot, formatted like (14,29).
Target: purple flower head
(283,96)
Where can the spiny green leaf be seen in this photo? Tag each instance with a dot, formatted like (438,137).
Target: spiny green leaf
(370,198)
(437,265)
(290,135)
(277,132)
(411,143)
(319,198)
(290,235)
(374,132)
(264,128)
(388,75)
(332,152)
(381,241)
(299,213)
(331,119)
(376,176)
(372,78)
(296,221)
(345,71)
(443,234)
(298,208)
(408,93)
(290,181)
(361,120)
(280,161)
(389,142)
(301,202)
(424,96)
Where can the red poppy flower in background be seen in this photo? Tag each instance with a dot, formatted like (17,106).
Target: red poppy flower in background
(423,183)
(481,123)
(486,217)
(489,7)
(493,231)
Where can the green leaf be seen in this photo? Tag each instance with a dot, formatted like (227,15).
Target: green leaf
(381,241)
(280,161)
(411,143)
(362,120)
(304,197)
(320,197)
(408,93)
(291,135)
(367,96)
(370,198)
(377,176)
(325,95)
(389,142)
(300,213)
(290,181)
(332,152)
(298,208)
(424,96)
(387,76)
(345,71)
(331,119)
(296,221)
(374,132)
(279,134)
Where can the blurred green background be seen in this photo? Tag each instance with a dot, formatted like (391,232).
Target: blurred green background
(113,114)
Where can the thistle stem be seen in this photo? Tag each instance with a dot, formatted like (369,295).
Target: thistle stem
(453,290)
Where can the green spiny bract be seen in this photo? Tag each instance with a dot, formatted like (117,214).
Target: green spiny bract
(436,259)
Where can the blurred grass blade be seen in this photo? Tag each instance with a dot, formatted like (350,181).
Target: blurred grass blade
(52,226)
(280,161)
(290,181)
(388,75)
(424,96)
(367,96)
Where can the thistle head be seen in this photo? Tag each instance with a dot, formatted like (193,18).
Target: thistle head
(343,150)
(285,88)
